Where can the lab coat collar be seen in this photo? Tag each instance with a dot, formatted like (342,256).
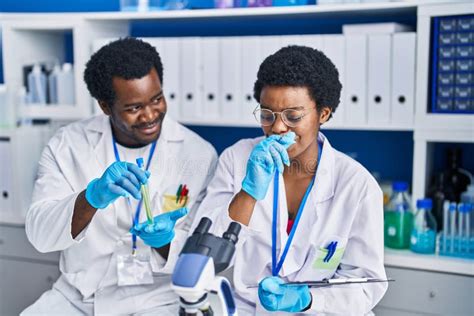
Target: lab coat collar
(324,183)
(99,136)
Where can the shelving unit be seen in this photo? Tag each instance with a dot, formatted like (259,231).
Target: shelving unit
(433,128)
(424,119)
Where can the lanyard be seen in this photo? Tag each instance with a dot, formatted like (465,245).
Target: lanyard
(136,217)
(276,266)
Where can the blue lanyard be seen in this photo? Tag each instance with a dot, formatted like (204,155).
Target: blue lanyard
(276,266)
(136,218)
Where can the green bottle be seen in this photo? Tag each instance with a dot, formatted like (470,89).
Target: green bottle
(398,218)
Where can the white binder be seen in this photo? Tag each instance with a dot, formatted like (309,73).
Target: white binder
(98,43)
(229,67)
(288,40)
(6,180)
(250,62)
(334,48)
(210,76)
(168,49)
(268,46)
(312,40)
(190,94)
(379,78)
(403,78)
(356,79)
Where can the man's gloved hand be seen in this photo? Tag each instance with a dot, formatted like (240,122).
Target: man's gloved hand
(120,179)
(269,155)
(274,295)
(162,231)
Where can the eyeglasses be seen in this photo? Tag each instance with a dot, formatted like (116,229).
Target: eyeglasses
(290,117)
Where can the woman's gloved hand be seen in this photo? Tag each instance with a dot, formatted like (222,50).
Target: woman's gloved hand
(267,157)
(274,295)
(162,231)
(119,179)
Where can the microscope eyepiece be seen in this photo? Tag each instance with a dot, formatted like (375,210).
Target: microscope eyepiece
(203,226)
(232,232)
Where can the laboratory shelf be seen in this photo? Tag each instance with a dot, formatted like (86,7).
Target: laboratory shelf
(220,122)
(454,136)
(409,260)
(319,10)
(54,112)
(327,126)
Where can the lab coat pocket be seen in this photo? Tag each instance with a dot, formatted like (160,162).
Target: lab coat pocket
(175,198)
(329,254)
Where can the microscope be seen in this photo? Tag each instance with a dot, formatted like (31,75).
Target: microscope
(194,277)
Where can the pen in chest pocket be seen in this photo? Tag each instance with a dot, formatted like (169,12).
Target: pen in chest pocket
(182,194)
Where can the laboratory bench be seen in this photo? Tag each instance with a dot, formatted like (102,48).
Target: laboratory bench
(25,272)
(424,284)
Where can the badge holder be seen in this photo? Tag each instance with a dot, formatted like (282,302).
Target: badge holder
(135,268)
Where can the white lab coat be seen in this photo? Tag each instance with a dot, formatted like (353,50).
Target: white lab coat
(81,152)
(345,205)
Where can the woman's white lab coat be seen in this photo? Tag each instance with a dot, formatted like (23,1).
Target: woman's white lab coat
(81,152)
(345,205)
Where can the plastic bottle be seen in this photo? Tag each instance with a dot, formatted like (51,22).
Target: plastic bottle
(468,195)
(37,85)
(398,218)
(66,85)
(53,84)
(423,234)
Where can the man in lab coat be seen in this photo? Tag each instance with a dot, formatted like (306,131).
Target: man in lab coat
(308,211)
(88,189)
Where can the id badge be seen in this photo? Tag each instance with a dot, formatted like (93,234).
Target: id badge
(134,269)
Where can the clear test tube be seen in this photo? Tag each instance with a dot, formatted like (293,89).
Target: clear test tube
(468,227)
(452,224)
(460,236)
(445,225)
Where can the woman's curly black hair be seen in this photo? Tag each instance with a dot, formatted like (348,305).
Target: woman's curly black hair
(128,58)
(300,66)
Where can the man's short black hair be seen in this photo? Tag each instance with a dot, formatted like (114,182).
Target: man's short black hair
(128,58)
(300,66)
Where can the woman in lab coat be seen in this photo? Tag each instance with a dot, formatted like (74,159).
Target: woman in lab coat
(321,217)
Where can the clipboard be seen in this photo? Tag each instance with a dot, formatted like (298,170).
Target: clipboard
(333,282)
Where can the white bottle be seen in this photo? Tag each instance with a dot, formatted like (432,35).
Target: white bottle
(468,195)
(37,85)
(53,84)
(65,80)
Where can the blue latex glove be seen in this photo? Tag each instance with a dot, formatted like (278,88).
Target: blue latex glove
(274,295)
(162,231)
(120,179)
(267,157)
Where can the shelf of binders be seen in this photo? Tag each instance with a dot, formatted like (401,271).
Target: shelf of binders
(424,119)
(435,263)
(209,80)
